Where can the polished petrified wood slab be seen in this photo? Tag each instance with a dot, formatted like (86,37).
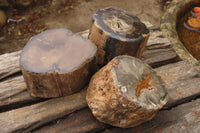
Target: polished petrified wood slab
(53,60)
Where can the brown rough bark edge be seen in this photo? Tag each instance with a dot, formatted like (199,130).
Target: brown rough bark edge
(109,105)
(25,119)
(109,47)
(59,84)
(98,37)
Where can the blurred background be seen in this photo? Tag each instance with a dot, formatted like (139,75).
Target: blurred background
(22,19)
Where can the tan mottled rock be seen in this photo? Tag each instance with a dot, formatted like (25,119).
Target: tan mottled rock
(125,93)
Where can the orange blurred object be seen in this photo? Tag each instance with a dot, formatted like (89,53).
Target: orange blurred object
(193,23)
(196,10)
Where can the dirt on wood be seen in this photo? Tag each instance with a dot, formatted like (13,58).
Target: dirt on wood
(25,19)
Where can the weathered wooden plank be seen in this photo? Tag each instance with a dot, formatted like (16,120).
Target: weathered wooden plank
(157,38)
(182,119)
(172,74)
(181,81)
(27,118)
(78,122)
(6,90)
(159,56)
(13,93)
(9,64)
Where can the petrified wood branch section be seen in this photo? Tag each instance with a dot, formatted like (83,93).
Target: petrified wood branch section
(116,32)
(125,93)
(57,63)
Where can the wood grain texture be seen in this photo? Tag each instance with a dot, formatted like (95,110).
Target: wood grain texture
(27,118)
(13,93)
(9,64)
(78,122)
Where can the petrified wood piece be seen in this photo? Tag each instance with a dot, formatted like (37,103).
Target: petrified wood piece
(125,93)
(116,32)
(57,63)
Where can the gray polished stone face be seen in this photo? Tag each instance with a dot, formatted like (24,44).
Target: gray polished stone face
(56,50)
(139,83)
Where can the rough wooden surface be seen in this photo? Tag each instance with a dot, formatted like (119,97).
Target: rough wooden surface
(181,81)
(29,117)
(9,64)
(77,122)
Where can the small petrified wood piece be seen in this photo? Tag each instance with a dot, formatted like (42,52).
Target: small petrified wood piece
(125,93)
(57,63)
(116,32)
